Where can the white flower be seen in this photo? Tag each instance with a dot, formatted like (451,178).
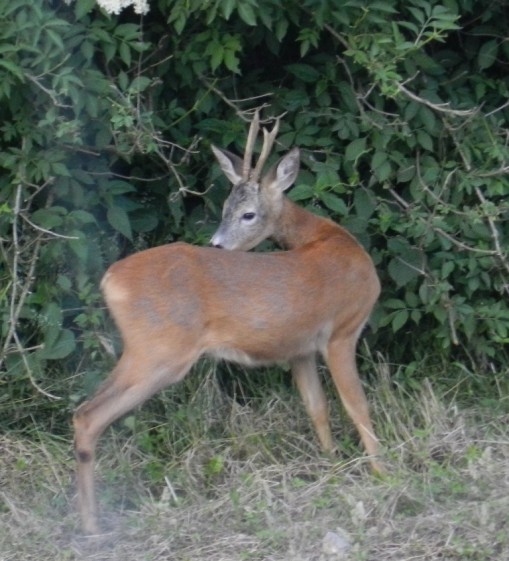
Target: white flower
(116,6)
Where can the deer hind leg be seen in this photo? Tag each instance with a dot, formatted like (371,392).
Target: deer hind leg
(130,384)
(306,378)
(340,358)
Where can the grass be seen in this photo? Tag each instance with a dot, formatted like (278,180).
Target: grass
(220,481)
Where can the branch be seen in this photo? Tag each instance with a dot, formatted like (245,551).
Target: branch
(438,230)
(18,297)
(17,301)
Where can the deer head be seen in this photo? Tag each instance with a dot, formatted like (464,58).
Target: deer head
(251,212)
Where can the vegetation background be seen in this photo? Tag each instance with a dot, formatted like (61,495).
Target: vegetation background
(401,112)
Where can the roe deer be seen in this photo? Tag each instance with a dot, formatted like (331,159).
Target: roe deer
(176,303)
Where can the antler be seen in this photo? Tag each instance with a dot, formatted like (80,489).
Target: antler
(268,143)
(251,139)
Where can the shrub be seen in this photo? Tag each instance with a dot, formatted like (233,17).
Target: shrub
(400,109)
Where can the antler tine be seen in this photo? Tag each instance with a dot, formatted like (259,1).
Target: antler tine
(251,139)
(268,143)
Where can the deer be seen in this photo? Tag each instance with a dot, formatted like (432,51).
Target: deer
(176,303)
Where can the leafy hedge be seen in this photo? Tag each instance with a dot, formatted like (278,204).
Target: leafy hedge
(400,109)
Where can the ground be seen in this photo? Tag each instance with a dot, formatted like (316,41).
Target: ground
(251,484)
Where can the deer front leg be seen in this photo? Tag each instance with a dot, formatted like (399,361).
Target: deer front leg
(306,378)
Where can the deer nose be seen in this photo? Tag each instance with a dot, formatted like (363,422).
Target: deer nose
(217,240)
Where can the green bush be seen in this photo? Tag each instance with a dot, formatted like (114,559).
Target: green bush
(400,109)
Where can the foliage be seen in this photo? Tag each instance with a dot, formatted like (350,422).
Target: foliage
(400,109)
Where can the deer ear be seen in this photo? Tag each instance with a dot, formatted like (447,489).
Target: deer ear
(284,173)
(229,163)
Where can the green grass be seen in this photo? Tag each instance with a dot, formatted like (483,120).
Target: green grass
(220,481)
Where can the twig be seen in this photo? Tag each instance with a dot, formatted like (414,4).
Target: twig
(433,195)
(358,97)
(501,171)
(442,107)
(44,231)
(233,103)
(336,35)
(22,352)
(49,92)
(128,177)
(496,110)
(494,235)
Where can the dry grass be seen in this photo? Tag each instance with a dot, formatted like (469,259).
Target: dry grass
(251,485)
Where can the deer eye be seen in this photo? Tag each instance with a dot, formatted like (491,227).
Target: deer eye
(248,216)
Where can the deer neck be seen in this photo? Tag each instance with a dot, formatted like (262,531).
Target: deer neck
(298,227)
